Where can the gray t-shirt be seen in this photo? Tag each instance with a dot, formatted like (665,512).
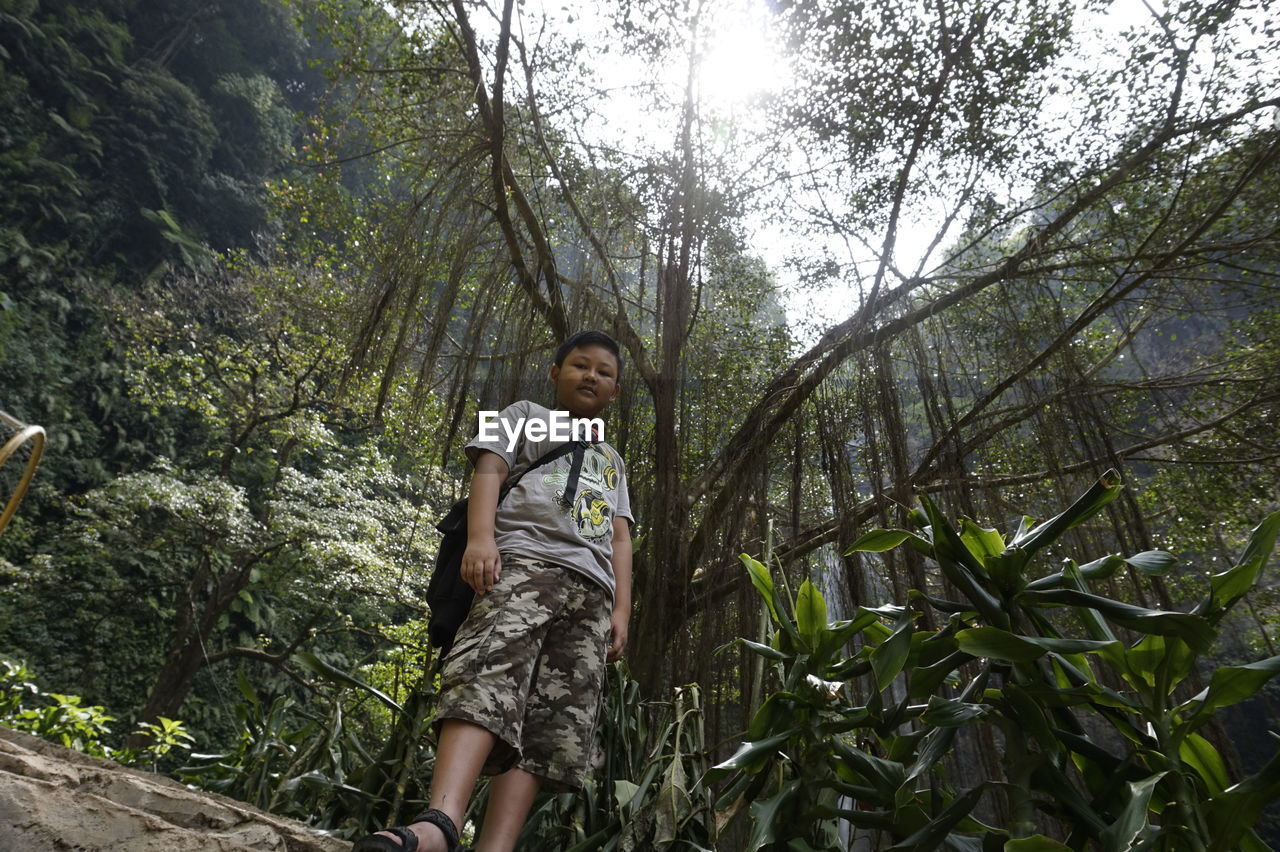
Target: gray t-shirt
(531,519)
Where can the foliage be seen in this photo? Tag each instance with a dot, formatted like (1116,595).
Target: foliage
(647,791)
(335,762)
(64,719)
(1100,743)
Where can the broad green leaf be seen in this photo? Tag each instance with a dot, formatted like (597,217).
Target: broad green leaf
(1094,624)
(763,581)
(935,745)
(751,756)
(1231,685)
(878,541)
(960,567)
(1102,492)
(1029,715)
(1048,778)
(949,713)
(319,667)
(1231,585)
(888,659)
(925,681)
(947,543)
(1235,810)
(932,835)
(1121,834)
(887,776)
(1003,645)
(1035,843)
(839,633)
(764,815)
(1195,630)
(981,542)
(997,644)
(1153,563)
(774,714)
(763,650)
(811,614)
(624,792)
(940,604)
(1199,754)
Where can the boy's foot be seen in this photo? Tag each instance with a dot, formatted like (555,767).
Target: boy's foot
(430,831)
(430,837)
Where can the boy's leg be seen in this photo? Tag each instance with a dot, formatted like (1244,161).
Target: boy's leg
(510,795)
(459,758)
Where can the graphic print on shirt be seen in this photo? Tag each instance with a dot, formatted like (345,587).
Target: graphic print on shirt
(591,513)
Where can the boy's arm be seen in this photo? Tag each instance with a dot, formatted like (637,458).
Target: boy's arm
(481,564)
(621,617)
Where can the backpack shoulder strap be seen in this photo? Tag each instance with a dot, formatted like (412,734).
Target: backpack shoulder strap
(546,458)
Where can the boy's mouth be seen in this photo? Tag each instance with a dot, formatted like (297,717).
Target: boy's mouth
(587,389)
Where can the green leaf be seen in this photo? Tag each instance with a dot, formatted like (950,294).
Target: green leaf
(751,756)
(840,632)
(925,681)
(1235,810)
(1153,563)
(886,776)
(960,567)
(891,655)
(1231,685)
(763,650)
(932,835)
(320,668)
(1035,843)
(811,614)
(1025,710)
(1102,492)
(1195,630)
(624,792)
(1003,645)
(878,541)
(1231,585)
(764,815)
(1121,834)
(1200,755)
(949,713)
(981,542)
(763,581)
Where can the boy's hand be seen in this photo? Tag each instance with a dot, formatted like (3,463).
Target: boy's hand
(481,565)
(617,634)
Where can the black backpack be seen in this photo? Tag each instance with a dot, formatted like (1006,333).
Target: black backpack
(448,595)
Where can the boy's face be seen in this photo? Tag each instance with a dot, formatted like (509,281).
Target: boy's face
(586,381)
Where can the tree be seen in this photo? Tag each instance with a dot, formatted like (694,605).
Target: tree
(917,104)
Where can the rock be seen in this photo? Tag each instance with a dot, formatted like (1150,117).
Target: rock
(53,798)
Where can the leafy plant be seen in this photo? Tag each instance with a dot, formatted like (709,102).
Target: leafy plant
(647,791)
(1082,690)
(65,720)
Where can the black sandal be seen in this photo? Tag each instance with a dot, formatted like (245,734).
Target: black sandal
(409,840)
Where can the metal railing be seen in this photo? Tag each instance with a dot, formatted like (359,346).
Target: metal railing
(22,433)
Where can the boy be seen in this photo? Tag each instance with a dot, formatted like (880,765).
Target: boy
(552,576)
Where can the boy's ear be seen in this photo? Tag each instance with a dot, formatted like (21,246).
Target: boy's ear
(555,373)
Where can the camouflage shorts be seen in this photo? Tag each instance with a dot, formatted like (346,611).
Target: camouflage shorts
(528,665)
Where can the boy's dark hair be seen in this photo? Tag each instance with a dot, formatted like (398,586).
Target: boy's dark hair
(589,338)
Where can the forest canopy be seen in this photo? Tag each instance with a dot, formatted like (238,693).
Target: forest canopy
(261,264)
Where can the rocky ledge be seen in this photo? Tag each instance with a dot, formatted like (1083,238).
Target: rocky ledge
(52,798)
